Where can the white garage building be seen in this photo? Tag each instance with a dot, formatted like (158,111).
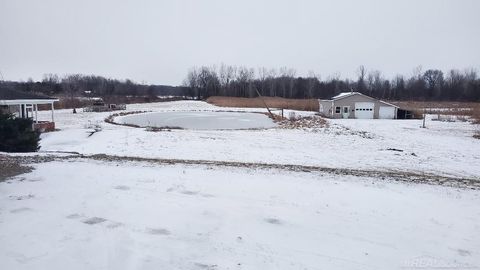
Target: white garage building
(357,105)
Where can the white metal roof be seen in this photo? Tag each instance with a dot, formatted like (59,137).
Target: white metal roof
(26,101)
(390,104)
(348,94)
(344,94)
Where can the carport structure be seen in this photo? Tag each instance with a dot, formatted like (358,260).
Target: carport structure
(357,105)
(25,105)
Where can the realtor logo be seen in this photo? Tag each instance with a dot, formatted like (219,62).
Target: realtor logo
(428,262)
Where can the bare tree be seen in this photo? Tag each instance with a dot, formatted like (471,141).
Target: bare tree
(361,74)
(434,80)
(192,81)
(226,75)
(242,81)
(272,78)
(312,81)
(262,78)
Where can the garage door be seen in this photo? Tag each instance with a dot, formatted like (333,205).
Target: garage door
(364,110)
(386,112)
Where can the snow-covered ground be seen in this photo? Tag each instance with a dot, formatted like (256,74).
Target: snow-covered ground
(81,213)
(107,215)
(445,148)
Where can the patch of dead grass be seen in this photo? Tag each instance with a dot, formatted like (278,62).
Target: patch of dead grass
(462,110)
(442,107)
(11,167)
(476,114)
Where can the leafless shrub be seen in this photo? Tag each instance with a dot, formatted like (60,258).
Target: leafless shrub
(309,122)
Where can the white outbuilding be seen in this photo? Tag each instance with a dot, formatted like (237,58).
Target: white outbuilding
(357,106)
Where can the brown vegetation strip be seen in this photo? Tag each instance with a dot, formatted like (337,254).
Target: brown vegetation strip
(470,183)
(272,102)
(471,109)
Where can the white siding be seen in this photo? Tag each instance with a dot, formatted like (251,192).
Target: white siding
(386,112)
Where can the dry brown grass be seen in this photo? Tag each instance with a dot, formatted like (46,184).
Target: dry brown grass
(272,102)
(459,109)
(475,114)
(443,108)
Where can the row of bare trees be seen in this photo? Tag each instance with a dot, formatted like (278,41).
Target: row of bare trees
(432,84)
(76,85)
(203,82)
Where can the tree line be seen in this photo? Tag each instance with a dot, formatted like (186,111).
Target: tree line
(77,85)
(429,85)
(237,81)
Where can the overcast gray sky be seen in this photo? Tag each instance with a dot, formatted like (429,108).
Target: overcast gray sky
(158,41)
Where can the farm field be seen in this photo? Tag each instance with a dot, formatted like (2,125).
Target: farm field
(351,194)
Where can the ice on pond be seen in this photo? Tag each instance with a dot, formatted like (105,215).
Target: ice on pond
(199,120)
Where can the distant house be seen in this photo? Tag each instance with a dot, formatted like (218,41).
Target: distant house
(25,105)
(357,105)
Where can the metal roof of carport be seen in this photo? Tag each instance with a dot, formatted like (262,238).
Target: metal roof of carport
(14,97)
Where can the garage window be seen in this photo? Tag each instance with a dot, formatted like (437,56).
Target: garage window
(337,109)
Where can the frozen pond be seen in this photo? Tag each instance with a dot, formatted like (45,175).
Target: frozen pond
(199,120)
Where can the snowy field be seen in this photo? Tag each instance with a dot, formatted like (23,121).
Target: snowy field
(199,120)
(139,216)
(445,148)
(81,213)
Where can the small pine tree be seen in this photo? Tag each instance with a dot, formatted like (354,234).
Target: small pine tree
(17,134)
